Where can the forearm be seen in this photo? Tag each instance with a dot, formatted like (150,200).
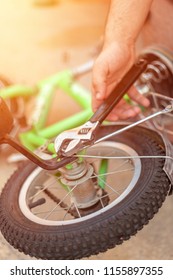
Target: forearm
(125,20)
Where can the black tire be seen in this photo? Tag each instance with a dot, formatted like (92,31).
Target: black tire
(101,232)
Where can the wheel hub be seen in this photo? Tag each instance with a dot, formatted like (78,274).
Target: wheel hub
(80,179)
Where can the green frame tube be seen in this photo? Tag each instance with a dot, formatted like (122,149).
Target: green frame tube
(103,169)
(17,91)
(44,91)
(68,123)
(32,139)
(64,80)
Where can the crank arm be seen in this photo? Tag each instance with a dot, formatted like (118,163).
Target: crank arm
(168,109)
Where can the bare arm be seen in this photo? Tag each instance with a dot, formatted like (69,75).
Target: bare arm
(125,19)
(124,22)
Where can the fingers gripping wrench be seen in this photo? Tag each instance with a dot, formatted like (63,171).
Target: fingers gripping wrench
(70,142)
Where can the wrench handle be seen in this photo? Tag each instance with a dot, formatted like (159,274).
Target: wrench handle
(119,91)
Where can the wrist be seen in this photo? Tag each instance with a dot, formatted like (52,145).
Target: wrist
(123,49)
(119,36)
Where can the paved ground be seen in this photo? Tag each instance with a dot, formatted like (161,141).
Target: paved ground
(38,41)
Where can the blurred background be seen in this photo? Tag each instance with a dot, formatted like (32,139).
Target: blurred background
(41,37)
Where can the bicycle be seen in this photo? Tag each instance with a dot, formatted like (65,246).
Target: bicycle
(77,207)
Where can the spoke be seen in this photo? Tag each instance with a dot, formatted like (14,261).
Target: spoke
(99,156)
(68,211)
(41,189)
(48,211)
(47,216)
(115,157)
(123,163)
(110,194)
(109,186)
(112,172)
(77,210)
(102,201)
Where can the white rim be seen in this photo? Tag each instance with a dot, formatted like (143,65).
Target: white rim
(122,147)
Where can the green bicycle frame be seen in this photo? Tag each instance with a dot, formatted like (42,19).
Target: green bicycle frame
(38,135)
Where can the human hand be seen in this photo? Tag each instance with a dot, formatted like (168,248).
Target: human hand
(111,65)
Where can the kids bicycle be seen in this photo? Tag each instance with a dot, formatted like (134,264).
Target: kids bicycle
(96,185)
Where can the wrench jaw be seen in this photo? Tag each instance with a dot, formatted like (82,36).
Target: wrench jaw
(72,141)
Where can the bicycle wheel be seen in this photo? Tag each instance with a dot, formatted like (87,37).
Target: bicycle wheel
(40,216)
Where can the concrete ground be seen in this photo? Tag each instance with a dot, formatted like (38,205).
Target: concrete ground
(37,41)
